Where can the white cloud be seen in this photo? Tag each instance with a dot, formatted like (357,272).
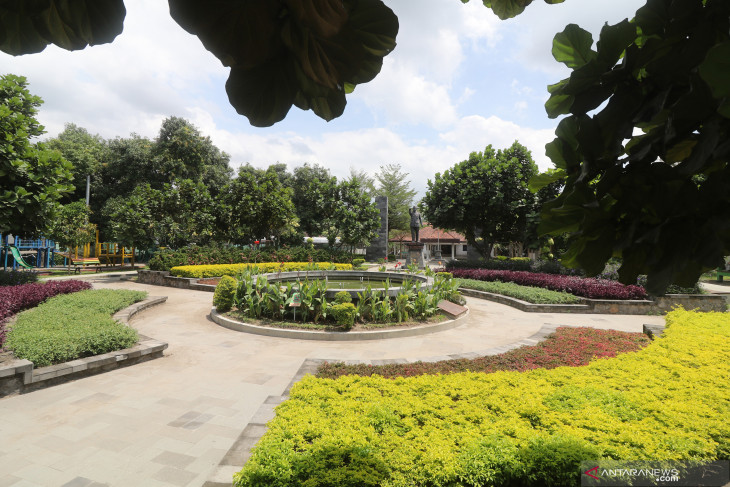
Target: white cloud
(405,96)
(368,149)
(534,30)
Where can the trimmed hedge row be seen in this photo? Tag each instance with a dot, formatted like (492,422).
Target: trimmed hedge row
(73,326)
(219,270)
(566,347)
(164,260)
(668,401)
(536,295)
(580,286)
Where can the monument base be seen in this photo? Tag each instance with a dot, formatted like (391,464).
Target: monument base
(415,254)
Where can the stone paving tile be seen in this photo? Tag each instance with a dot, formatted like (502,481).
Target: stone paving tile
(174,476)
(79,482)
(8,480)
(42,475)
(173,459)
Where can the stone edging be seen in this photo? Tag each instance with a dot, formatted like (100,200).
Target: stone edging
(658,305)
(334,335)
(240,451)
(19,376)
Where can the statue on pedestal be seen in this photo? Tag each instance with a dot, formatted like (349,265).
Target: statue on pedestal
(416,223)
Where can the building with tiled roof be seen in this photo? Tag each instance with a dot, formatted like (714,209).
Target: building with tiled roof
(452,245)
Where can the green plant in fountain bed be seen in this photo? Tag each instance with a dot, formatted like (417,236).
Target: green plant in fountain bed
(344,315)
(424,305)
(225,294)
(343,297)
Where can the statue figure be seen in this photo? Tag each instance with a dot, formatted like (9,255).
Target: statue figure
(416,223)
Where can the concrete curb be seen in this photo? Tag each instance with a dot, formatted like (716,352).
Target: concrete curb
(19,376)
(334,335)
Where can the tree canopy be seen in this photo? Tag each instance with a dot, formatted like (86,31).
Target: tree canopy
(394,184)
(32,178)
(485,197)
(644,147)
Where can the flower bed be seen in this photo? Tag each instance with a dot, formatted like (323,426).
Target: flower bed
(566,347)
(580,286)
(219,270)
(73,326)
(668,401)
(14,299)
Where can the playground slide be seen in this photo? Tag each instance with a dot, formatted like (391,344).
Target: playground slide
(19,258)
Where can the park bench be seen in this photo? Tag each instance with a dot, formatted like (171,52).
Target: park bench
(721,273)
(80,262)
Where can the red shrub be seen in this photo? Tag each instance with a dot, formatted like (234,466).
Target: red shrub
(14,299)
(587,287)
(566,347)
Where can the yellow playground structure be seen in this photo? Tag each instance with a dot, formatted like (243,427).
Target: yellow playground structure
(108,253)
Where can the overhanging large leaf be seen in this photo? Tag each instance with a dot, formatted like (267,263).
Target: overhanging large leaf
(264,93)
(506,9)
(324,45)
(239,33)
(573,47)
(27,27)
(715,70)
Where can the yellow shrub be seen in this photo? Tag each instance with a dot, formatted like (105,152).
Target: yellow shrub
(669,401)
(218,270)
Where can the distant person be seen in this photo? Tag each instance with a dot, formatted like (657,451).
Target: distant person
(416,223)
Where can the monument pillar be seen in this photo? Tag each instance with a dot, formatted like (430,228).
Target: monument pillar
(415,254)
(378,248)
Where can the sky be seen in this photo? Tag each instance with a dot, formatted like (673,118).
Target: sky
(458,80)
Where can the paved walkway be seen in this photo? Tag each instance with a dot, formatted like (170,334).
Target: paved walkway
(170,421)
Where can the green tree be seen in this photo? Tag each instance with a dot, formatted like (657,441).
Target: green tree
(314,194)
(395,185)
(485,197)
(352,217)
(364,180)
(132,217)
(186,214)
(71,227)
(33,178)
(647,177)
(85,152)
(180,152)
(255,205)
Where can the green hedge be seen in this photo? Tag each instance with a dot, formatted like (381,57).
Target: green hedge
(219,270)
(530,294)
(164,260)
(669,401)
(73,326)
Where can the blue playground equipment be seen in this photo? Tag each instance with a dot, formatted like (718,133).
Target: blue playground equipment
(34,252)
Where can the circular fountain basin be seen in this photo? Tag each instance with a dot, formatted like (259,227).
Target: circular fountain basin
(353,282)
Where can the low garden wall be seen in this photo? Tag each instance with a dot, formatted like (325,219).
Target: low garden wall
(163,278)
(657,305)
